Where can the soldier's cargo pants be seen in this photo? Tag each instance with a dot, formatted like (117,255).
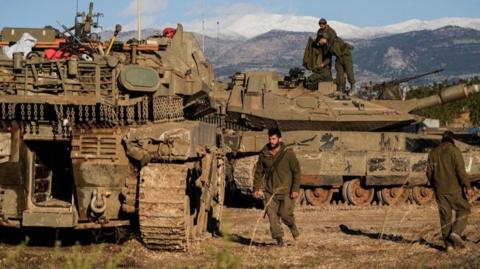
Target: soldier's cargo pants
(448,203)
(280,208)
(344,65)
(319,75)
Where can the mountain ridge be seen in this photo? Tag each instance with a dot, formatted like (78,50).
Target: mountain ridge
(452,48)
(391,56)
(251,25)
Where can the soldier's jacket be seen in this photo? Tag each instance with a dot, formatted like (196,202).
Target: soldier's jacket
(316,55)
(330,32)
(339,47)
(285,179)
(446,169)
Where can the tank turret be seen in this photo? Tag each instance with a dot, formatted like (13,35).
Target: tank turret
(260,100)
(390,90)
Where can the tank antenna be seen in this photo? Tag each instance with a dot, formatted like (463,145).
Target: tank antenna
(218,36)
(202,8)
(139,21)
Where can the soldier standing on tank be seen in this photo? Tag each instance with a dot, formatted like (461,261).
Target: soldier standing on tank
(343,61)
(446,172)
(278,174)
(317,58)
(319,61)
(326,28)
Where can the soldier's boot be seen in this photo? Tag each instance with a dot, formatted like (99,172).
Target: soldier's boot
(448,246)
(313,86)
(340,94)
(352,88)
(279,241)
(457,240)
(294,231)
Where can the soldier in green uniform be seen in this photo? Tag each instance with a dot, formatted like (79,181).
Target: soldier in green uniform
(343,61)
(326,28)
(278,174)
(319,61)
(446,172)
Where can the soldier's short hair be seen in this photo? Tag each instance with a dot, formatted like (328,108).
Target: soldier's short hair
(274,131)
(448,137)
(322,21)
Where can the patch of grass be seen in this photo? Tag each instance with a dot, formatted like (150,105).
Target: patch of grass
(76,258)
(467,262)
(10,261)
(226,260)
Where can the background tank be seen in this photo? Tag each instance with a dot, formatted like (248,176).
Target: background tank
(260,100)
(390,90)
(353,147)
(94,136)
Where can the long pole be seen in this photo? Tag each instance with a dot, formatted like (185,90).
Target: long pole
(139,21)
(218,34)
(203,25)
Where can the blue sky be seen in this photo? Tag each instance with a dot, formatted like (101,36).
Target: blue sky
(159,13)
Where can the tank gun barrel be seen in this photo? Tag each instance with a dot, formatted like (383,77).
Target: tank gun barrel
(446,95)
(390,83)
(417,76)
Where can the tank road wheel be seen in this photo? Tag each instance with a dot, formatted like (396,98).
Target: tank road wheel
(355,194)
(164,211)
(318,196)
(393,196)
(421,195)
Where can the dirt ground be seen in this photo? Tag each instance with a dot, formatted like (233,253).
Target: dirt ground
(331,237)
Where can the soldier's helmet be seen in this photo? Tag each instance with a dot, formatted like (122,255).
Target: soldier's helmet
(322,21)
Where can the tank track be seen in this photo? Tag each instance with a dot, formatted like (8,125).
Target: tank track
(163,207)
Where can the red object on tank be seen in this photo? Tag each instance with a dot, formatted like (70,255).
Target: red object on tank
(52,54)
(169,32)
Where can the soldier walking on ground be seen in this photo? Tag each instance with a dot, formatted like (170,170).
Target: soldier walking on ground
(278,174)
(446,172)
(343,61)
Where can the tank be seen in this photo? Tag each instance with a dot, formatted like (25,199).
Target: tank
(93,135)
(260,100)
(390,90)
(357,148)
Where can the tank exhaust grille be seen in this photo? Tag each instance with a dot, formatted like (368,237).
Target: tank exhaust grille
(95,147)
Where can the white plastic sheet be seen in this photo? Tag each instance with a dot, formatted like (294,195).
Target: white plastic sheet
(25,45)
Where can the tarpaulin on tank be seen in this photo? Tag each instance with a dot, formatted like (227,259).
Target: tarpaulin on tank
(24,44)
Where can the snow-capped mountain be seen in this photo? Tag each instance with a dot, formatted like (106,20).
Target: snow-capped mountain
(453,48)
(252,25)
